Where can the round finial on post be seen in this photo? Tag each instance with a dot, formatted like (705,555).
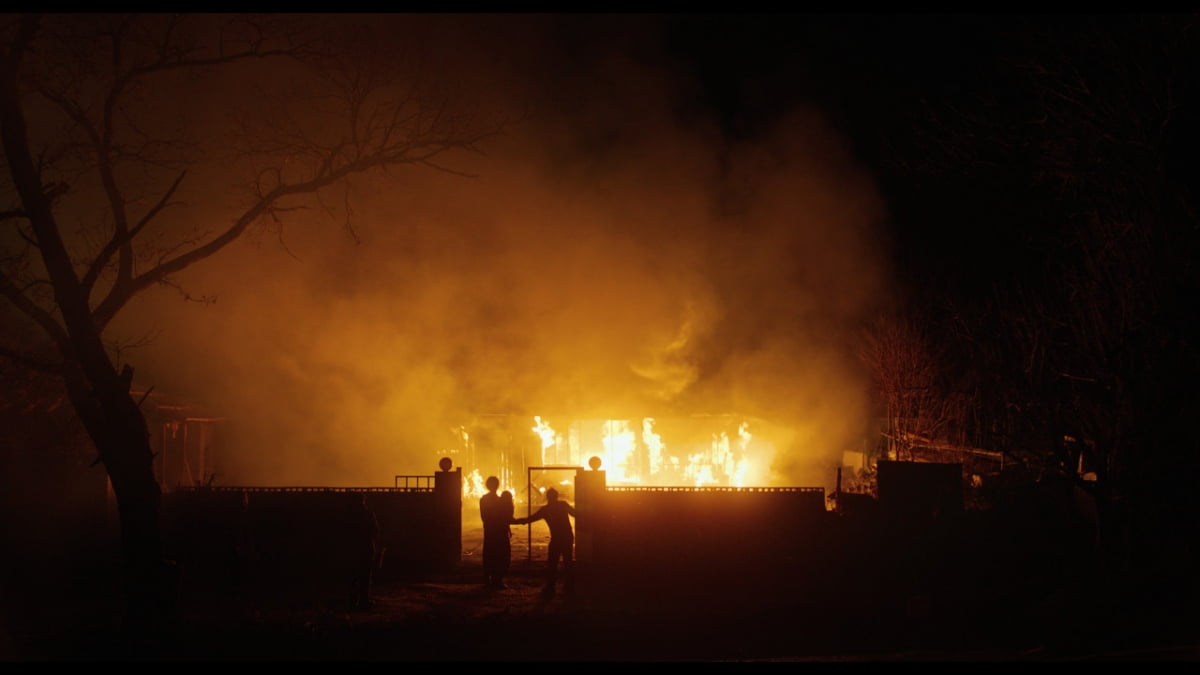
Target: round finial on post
(446,463)
(594,462)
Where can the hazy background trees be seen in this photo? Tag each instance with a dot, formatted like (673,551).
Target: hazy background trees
(1069,308)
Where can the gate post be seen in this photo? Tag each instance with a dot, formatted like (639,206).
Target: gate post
(589,496)
(447,489)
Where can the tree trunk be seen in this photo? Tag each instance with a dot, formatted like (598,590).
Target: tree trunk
(118,429)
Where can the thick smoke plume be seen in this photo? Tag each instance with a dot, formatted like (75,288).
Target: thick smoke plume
(613,255)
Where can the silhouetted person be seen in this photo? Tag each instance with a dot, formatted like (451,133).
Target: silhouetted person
(508,510)
(363,540)
(557,515)
(497,543)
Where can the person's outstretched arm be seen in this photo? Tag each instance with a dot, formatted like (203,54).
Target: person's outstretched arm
(537,515)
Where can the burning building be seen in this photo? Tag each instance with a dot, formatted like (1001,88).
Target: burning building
(685,451)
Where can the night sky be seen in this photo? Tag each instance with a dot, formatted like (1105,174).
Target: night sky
(880,79)
(885,83)
(947,112)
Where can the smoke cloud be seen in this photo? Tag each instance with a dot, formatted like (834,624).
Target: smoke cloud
(612,255)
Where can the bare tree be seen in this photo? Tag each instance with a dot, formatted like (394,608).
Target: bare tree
(1090,336)
(1118,129)
(907,366)
(97,161)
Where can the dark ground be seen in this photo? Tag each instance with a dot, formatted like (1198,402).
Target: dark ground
(448,616)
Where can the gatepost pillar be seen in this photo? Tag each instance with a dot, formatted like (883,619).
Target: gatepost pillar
(590,486)
(447,489)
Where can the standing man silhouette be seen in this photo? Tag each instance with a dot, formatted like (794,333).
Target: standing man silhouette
(508,511)
(557,515)
(497,543)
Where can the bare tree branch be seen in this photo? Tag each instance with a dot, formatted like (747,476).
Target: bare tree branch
(328,173)
(117,241)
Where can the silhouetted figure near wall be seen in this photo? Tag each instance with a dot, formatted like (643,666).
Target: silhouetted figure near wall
(508,510)
(497,542)
(363,530)
(557,515)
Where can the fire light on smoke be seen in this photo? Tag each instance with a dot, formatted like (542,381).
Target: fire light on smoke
(641,294)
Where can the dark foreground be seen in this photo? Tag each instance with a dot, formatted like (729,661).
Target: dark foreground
(757,616)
